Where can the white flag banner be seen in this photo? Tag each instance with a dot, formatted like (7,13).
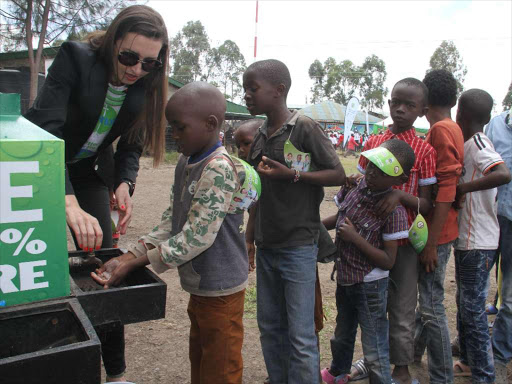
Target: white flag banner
(350,115)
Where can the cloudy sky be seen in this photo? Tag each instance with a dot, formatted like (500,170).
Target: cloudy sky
(403,33)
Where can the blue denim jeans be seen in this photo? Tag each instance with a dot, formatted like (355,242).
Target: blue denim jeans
(502,329)
(362,304)
(472,276)
(432,325)
(286,303)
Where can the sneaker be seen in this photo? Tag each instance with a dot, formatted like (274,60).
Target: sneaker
(330,379)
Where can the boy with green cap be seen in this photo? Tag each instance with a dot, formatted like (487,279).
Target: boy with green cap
(367,247)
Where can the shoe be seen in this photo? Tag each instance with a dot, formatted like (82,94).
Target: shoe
(362,370)
(327,378)
(461,370)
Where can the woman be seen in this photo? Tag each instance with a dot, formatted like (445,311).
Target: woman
(112,86)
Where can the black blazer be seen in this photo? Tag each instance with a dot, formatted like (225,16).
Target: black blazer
(70,104)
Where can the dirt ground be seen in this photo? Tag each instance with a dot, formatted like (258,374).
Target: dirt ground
(157,351)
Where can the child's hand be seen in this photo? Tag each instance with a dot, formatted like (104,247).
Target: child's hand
(347,231)
(274,170)
(351,181)
(113,272)
(460,197)
(387,204)
(251,251)
(428,258)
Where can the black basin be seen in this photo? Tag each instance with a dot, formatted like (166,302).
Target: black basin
(141,297)
(48,342)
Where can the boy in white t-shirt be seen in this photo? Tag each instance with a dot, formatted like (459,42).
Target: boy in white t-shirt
(475,249)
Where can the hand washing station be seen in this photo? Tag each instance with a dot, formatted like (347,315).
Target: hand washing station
(46,315)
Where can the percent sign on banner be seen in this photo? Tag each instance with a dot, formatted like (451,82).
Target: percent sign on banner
(13,236)
(33,246)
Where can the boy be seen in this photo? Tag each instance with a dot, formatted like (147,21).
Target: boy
(367,247)
(408,101)
(244,136)
(499,132)
(195,233)
(287,224)
(446,138)
(475,249)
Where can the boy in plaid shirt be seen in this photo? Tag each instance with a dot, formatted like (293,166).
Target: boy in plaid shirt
(367,247)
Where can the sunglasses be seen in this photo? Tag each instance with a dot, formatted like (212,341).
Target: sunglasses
(130,59)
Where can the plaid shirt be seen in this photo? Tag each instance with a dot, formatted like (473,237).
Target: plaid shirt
(423,172)
(358,205)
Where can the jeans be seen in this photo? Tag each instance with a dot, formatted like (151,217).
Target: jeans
(502,329)
(472,276)
(286,303)
(362,304)
(432,327)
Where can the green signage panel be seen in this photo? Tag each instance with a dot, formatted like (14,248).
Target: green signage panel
(33,244)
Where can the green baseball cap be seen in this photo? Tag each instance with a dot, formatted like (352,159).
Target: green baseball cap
(384,160)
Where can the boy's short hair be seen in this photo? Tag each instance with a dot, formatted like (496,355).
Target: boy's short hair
(442,88)
(411,81)
(403,153)
(477,105)
(274,71)
(251,125)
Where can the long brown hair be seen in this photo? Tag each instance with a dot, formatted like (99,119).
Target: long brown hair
(145,21)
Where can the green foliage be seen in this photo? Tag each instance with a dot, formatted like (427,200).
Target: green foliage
(227,65)
(188,49)
(447,57)
(341,81)
(371,85)
(64,17)
(507,101)
(193,59)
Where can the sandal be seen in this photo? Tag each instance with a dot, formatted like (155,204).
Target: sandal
(461,370)
(362,370)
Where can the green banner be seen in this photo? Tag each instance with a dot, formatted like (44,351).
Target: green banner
(33,245)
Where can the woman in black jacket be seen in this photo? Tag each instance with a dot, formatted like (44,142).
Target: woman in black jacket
(114,86)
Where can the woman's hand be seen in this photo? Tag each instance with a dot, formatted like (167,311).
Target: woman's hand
(125,206)
(87,229)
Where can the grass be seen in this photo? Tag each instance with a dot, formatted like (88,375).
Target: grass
(250,302)
(171,157)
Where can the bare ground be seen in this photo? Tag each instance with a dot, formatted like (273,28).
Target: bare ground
(157,351)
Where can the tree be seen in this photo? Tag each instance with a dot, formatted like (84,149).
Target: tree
(228,68)
(341,81)
(447,57)
(23,21)
(317,73)
(189,50)
(371,87)
(507,101)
